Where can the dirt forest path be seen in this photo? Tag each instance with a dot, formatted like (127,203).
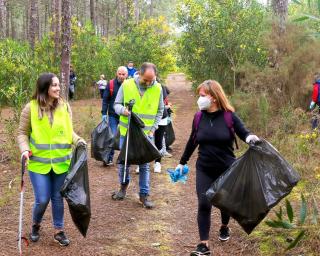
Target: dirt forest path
(125,228)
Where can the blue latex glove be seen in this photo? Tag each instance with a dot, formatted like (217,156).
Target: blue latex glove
(104,118)
(179,174)
(312,105)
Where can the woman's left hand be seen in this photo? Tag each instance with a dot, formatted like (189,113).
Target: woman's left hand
(252,139)
(81,142)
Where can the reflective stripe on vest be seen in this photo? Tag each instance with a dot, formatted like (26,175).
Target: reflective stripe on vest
(50,144)
(50,160)
(146,107)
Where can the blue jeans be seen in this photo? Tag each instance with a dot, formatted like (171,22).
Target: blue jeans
(144,174)
(46,187)
(113,122)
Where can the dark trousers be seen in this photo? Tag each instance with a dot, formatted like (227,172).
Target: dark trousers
(203,182)
(101,93)
(158,137)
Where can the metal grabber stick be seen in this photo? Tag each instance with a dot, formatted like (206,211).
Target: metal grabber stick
(130,106)
(20,236)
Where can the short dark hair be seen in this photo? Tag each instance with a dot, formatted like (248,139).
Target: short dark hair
(148,65)
(130,61)
(41,94)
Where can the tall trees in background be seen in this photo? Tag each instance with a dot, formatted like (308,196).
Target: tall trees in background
(66,47)
(32,19)
(33,25)
(280,10)
(56,24)
(2,18)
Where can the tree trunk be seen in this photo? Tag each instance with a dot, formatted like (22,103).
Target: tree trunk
(7,19)
(34,26)
(151,8)
(108,21)
(92,13)
(2,18)
(13,31)
(117,15)
(280,10)
(136,11)
(26,25)
(66,47)
(56,25)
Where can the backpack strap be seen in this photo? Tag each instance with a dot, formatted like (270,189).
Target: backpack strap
(228,119)
(196,122)
(111,87)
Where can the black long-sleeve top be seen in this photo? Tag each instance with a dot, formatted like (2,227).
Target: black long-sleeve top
(108,99)
(215,142)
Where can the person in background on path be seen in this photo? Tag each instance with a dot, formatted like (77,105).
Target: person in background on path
(159,133)
(72,83)
(45,138)
(131,69)
(102,83)
(149,106)
(215,139)
(315,102)
(108,99)
(166,148)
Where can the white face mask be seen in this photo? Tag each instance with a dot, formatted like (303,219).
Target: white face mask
(204,102)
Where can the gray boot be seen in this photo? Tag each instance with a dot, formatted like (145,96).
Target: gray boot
(146,202)
(121,194)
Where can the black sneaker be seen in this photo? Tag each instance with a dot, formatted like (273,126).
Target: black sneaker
(61,239)
(201,249)
(34,236)
(224,233)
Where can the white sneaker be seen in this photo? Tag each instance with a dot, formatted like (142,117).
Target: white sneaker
(157,167)
(166,154)
(137,170)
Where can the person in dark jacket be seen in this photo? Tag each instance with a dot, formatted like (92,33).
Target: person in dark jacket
(108,99)
(215,140)
(72,83)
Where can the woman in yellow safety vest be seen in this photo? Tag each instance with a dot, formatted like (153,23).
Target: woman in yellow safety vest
(45,138)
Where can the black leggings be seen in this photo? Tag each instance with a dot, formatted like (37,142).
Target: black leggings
(158,137)
(203,182)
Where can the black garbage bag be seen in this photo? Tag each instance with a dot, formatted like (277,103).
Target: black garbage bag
(254,183)
(101,142)
(140,149)
(170,137)
(76,189)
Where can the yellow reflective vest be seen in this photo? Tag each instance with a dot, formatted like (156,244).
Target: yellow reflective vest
(51,145)
(146,107)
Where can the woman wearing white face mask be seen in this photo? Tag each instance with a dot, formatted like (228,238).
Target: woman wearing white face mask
(213,130)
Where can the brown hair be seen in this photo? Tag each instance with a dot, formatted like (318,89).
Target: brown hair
(41,94)
(214,89)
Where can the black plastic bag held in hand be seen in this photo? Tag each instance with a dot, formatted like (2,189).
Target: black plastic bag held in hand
(76,189)
(170,137)
(254,183)
(101,142)
(140,149)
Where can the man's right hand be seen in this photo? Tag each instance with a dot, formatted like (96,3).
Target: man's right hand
(126,112)
(104,118)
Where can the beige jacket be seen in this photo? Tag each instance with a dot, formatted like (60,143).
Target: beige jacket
(24,129)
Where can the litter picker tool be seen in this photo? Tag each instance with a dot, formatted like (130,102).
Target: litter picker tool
(20,235)
(129,105)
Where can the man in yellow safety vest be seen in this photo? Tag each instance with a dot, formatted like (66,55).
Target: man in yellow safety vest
(149,106)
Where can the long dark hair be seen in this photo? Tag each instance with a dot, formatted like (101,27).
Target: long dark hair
(41,94)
